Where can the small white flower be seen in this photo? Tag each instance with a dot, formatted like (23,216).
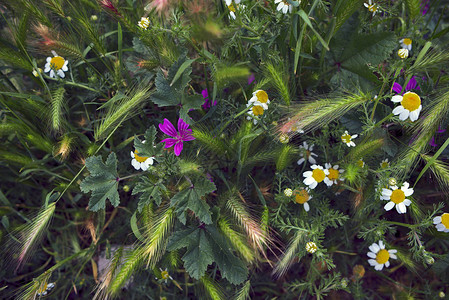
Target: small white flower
(384,164)
(302,196)
(141,162)
(410,106)
(228,2)
(360,163)
(372,7)
(311,247)
(144,23)
(442,222)
(380,256)
(260,97)
(307,153)
(288,192)
(347,139)
(255,111)
(284,6)
(317,175)
(403,53)
(164,275)
(56,65)
(406,43)
(397,197)
(334,174)
(231,7)
(43,290)
(283,138)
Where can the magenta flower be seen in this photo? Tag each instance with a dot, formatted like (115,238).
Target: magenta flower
(412,84)
(184,134)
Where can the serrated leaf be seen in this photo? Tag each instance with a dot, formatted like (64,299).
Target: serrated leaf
(149,148)
(191,198)
(102,181)
(150,192)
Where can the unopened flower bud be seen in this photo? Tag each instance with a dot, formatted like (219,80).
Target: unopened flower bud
(311,247)
(392,181)
(284,139)
(288,192)
(126,188)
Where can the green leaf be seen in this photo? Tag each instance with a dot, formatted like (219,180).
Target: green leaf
(305,17)
(151,191)
(181,70)
(149,148)
(102,181)
(191,198)
(135,228)
(204,246)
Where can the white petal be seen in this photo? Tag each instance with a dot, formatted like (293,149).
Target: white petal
(437,220)
(61,74)
(387,264)
(440,227)
(404,115)
(311,159)
(374,248)
(328,182)
(389,206)
(372,262)
(398,110)
(232,14)
(379,267)
(414,115)
(313,185)
(393,256)
(48,60)
(132,154)
(405,185)
(285,9)
(392,251)
(150,160)
(144,166)
(371,254)
(387,192)
(366,5)
(306,206)
(280,6)
(397,98)
(309,180)
(401,208)
(301,161)
(135,164)
(52,73)
(381,245)
(307,174)
(407,202)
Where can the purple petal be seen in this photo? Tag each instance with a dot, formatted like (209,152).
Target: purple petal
(412,84)
(169,142)
(251,78)
(168,128)
(432,142)
(205,94)
(397,87)
(187,137)
(183,127)
(441,130)
(178,148)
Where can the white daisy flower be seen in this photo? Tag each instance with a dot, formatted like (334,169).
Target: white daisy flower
(141,162)
(372,7)
(410,106)
(284,6)
(165,276)
(255,111)
(384,164)
(307,153)
(56,65)
(347,139)
(260,97)
(442,222)
(334,174)
(44,289)
(403,53)
(231,7)
(144,23)
(302,196)
(380,256)
(406,44)
(397,197)
(317,175)
(311,247)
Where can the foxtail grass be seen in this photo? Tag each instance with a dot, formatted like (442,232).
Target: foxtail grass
(366,149)
(57,109)
(237,241)
(133,262)
(33,233)
(275,74)
(212,288)
(441,171)
(51,39)
(108,276)
(64,147)
(120,111)
(243,293)
(290,254)
(211,142)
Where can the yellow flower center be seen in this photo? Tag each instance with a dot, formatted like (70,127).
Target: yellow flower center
(257,110)
(301,196)
(407,41)
(333,174)
(360,163)
(262,96)
(346,138)
(57,63)
(384,164)
(318,175)
(140,159)
(231,7)
(445,220)
(397,196)
(382,256)
(372,8)
(411,101)
(165,275)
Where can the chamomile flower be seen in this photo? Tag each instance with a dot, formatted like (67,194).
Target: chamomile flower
(256,110)
(141,162)
(302,196)
(410,106)
(144,23)
(288,192)
(403,53)
(334,174)
(406,44)
(317,175)
(44,289)
(284,6)
(228,2)
(231,8)
(380,256)
(372,7)
(306,153)
(56,65)
(397,197)
(360,163)
(284,139)
(164,275)
(311,247)
(260,97)
(385,163)
(347,139)
(442,222)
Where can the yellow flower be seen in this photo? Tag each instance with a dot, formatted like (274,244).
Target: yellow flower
(144,23)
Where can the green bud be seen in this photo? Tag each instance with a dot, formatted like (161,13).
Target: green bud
(126,188)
